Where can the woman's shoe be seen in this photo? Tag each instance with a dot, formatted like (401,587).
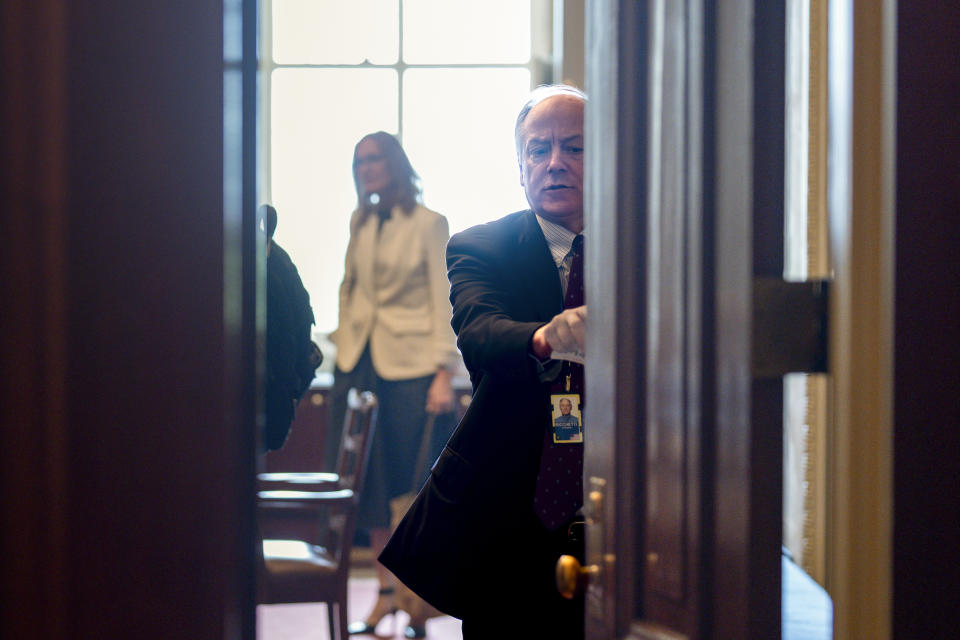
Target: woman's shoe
(384,606)
(415,631)
(417,626)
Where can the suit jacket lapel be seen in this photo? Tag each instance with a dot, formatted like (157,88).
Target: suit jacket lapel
(536,260)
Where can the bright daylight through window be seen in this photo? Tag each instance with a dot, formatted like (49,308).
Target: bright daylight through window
(446,76)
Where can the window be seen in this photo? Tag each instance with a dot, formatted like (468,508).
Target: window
(446,76)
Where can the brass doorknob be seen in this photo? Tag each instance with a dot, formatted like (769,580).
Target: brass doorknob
(572,578)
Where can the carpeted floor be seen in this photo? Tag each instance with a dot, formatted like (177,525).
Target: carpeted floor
(309,621)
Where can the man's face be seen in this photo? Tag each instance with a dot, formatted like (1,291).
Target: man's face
(551,160)
(565,406)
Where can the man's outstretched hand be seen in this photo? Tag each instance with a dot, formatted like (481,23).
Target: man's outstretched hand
(565,333)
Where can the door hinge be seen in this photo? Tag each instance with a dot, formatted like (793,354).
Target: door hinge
(790,327)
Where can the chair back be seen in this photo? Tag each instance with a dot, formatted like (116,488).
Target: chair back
(356,440)
(359,424)
(315,567)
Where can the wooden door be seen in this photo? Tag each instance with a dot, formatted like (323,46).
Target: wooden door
(684,211)
(127,337)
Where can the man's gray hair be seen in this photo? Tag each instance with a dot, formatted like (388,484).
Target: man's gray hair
(537,96)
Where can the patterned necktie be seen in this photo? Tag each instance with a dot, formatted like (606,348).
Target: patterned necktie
(559,490)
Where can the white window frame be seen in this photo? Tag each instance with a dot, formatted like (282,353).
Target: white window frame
(540,65)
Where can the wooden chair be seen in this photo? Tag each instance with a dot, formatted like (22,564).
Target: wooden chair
(302,570)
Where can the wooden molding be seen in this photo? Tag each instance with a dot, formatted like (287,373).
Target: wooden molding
(860,195)
(818,266)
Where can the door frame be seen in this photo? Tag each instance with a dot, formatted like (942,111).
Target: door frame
(861,211)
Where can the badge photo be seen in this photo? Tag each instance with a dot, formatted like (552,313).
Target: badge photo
(566,418)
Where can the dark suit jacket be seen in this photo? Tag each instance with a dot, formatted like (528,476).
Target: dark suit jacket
(474,516)
(290,362)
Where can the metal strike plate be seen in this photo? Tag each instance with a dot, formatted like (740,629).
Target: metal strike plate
(789,327)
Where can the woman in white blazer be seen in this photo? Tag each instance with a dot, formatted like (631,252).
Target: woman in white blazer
(394,335)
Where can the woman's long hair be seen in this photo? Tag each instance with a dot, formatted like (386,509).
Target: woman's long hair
(404,189)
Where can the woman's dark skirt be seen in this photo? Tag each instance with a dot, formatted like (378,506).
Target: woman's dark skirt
(401,419)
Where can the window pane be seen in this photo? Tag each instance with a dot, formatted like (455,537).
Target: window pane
(458,132)
(317,116)
(466,31)
(335,31)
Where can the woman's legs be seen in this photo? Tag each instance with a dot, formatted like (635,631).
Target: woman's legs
(391,471)
(385,603)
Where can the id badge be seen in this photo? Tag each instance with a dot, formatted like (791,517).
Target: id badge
(566,418)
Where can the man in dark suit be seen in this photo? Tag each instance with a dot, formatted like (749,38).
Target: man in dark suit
(482,539)
(292,358)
